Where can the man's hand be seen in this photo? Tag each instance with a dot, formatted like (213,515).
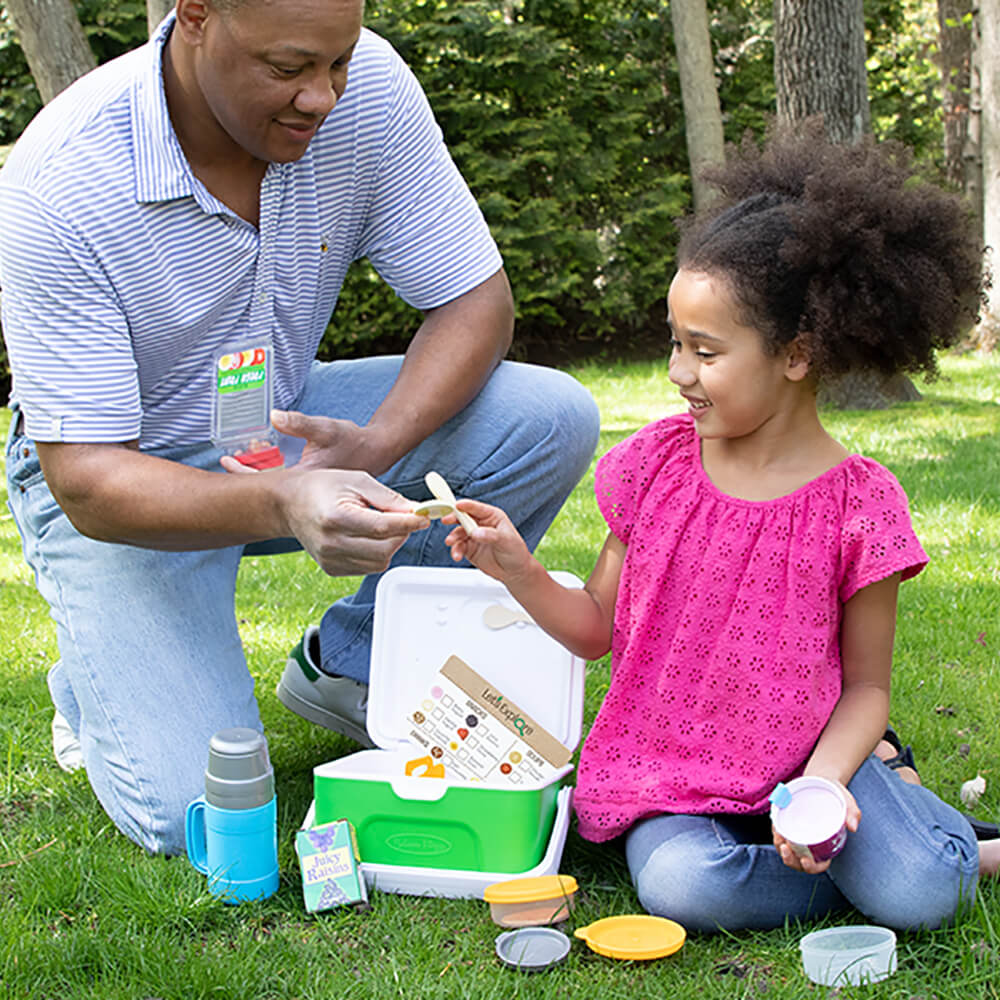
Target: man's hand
(346,520)
(329,444)
(336,444)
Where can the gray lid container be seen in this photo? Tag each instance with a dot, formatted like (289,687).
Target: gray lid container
(239,773)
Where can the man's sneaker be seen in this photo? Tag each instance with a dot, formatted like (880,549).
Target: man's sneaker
(65,745)
(337,703)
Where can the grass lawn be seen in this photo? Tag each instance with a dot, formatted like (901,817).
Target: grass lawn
(84,913)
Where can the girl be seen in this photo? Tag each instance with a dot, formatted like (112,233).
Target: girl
(747,586)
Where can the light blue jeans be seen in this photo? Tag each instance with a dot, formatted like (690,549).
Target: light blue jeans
(911,863)
(151,663)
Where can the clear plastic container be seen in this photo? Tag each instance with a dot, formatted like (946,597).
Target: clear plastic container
(242,397)
(851,955)
(531,902)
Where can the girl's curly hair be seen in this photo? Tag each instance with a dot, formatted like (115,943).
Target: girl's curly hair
(843,247)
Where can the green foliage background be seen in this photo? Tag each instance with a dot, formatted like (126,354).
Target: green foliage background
(565,118)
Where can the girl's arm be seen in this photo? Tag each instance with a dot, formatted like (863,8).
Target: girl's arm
(579,619)
(861,714)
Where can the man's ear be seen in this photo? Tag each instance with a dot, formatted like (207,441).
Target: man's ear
(797,360)
(191,18)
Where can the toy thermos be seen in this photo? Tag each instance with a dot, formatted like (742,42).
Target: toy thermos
(231,831)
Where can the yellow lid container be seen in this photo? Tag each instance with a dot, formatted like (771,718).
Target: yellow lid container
(633,936)
(528,902)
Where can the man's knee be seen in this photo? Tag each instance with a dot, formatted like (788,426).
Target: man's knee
(553,408)
(148,804)
(145,787)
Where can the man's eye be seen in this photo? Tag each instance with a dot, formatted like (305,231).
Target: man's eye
(286,70)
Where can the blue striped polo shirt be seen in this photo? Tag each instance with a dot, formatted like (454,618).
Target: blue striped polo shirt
(123,277)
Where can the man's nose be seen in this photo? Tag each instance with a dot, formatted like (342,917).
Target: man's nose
(318,96)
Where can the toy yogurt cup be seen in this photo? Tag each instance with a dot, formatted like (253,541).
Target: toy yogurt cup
(811,814)
(526,902)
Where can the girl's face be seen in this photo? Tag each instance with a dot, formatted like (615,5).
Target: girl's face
(733,388)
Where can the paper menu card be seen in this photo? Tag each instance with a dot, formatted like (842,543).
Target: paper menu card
(465,729)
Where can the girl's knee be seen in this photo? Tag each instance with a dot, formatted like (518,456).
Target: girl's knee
(923,901)
(926,888)
(679,884)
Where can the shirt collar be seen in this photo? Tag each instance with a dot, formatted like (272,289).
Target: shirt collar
(162,172)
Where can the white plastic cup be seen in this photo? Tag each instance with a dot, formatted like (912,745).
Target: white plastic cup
(852,955)
(811,814)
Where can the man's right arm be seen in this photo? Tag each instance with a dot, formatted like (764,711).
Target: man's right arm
(348,521)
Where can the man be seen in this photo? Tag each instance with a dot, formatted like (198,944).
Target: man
(207,191)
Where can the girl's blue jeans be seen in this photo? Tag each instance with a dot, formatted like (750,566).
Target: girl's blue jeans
(151,663)
(912,863)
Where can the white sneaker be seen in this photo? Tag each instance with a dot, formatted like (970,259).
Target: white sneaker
(65,745)
(337,703)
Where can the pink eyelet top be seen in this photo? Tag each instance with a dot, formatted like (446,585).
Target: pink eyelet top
(725,652)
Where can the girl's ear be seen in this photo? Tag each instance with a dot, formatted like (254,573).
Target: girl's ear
(796,361)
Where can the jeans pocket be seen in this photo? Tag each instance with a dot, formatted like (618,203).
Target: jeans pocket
(23,467)
(29,499)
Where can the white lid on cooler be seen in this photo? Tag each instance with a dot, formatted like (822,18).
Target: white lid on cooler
(423,615)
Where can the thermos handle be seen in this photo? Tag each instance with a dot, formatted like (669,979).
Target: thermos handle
(194,835)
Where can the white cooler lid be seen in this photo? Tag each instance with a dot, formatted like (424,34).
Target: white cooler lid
(424,614)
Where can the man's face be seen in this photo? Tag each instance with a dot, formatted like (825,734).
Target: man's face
(270,71)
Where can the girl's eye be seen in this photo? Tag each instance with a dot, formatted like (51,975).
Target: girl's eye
(704,355)
(675,344)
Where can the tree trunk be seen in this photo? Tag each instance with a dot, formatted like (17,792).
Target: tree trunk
(866,390)
(53,43)
(989,70)
(972,151)
(819,68)
(819,65)
(955,51)
(156,11)
(702,114)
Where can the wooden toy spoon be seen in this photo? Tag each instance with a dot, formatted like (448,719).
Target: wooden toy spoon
(500,616)
(446,502)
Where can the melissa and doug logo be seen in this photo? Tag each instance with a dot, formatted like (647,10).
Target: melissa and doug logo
(242,369)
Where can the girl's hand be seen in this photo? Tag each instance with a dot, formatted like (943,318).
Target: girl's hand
(495,546)
(806,864)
